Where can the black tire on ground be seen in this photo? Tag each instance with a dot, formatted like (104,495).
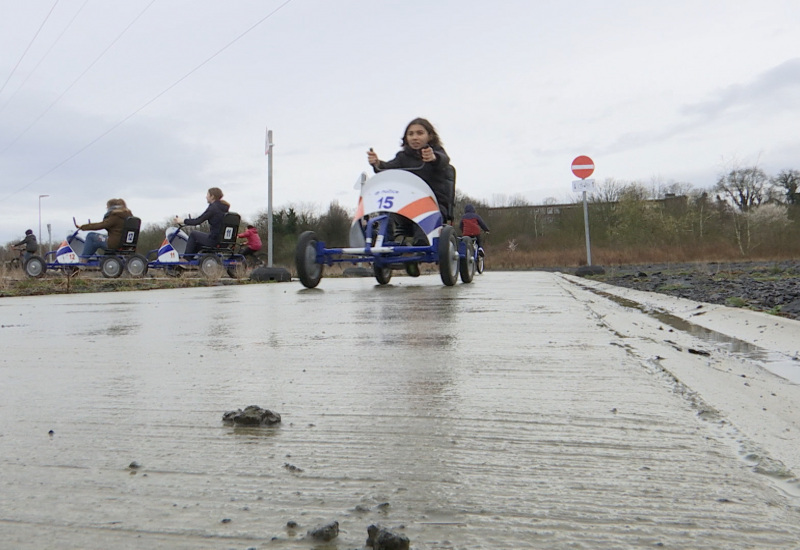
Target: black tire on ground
(448,255)
(305,258)
(173,271)
(111,267)
(35,267)
(210,266)
(382,274)
(480,262)
(467,262)
(136,266)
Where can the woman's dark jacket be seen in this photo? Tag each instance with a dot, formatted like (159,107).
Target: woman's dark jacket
(439,175)
(213,215)
(113,221)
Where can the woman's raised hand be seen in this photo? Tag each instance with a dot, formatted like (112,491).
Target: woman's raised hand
(427,154)
(372,157)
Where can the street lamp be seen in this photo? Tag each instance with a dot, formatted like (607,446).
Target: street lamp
(40,215)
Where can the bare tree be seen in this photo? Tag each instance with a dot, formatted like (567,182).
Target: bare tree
(745,187)
(788,181)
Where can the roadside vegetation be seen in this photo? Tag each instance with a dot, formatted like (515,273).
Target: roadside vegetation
(746,216)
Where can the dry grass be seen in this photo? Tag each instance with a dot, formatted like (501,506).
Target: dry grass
(514,260)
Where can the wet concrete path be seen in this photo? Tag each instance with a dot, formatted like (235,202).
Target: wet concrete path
(501,414)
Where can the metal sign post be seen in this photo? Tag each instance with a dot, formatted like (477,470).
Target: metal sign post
(583,167)
(269,197)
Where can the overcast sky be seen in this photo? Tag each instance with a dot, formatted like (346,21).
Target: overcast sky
(155,101)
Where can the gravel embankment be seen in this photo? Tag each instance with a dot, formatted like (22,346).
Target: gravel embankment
(763,286)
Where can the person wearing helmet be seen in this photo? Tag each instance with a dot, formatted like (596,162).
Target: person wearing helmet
(472,224)
(30,244)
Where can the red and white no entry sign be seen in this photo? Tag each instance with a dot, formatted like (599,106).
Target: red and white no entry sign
(582,166)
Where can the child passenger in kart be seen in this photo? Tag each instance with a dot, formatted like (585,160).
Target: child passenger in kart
(423,154)
(113,222)
(215,212)
(471,225)
(253,243)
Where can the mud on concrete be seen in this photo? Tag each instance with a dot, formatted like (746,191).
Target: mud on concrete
(773,287)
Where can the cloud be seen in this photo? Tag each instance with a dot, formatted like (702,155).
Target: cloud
(772,90)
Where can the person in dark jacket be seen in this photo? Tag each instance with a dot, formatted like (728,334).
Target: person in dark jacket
(423,154)
(217,208)
(113,221)
(472,224)
(30,244)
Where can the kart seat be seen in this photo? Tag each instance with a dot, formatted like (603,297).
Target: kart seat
(230,228)
(130,236)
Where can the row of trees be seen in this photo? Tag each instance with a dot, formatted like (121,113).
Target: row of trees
(745,215)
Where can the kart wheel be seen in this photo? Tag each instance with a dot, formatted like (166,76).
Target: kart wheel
(111,267)
(237,270)
(173,271)
(480,261)
(448,255)
(305,258)
(382,274)
(136,266)
(210,266)
(466,263)
(35,267)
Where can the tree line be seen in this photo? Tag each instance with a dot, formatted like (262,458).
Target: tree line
(745,215)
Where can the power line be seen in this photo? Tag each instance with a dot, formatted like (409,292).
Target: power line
(53,45)
(3,87)
(79,77)
(148,103)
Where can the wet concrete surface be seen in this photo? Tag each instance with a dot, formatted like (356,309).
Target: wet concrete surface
(509,413)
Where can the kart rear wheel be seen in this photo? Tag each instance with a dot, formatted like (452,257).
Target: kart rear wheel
(480,261)
(210,266)
(467,262)
(237,270)
(382,274)
(35,267)
(448,255)
(111,267)
(136,266)
(305,259)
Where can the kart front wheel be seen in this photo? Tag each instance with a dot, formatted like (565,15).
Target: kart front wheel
(448,255)
(467,262)
(136,266)
(382,274)
(210,266)
(35,267)
(111,267)
(305,258)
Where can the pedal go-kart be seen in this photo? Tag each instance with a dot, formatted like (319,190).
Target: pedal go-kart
(171,257)
(69,259)
(390,200)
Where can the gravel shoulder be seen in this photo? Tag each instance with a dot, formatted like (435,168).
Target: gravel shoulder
(772,287)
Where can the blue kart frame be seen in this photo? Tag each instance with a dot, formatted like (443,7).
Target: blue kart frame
(70,260)
(210,261)
(394,207)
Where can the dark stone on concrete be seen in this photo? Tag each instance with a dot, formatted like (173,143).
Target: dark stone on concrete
(326,532)
(252,416)
(270,274)
(589,270)
(380,538)
(357,272)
